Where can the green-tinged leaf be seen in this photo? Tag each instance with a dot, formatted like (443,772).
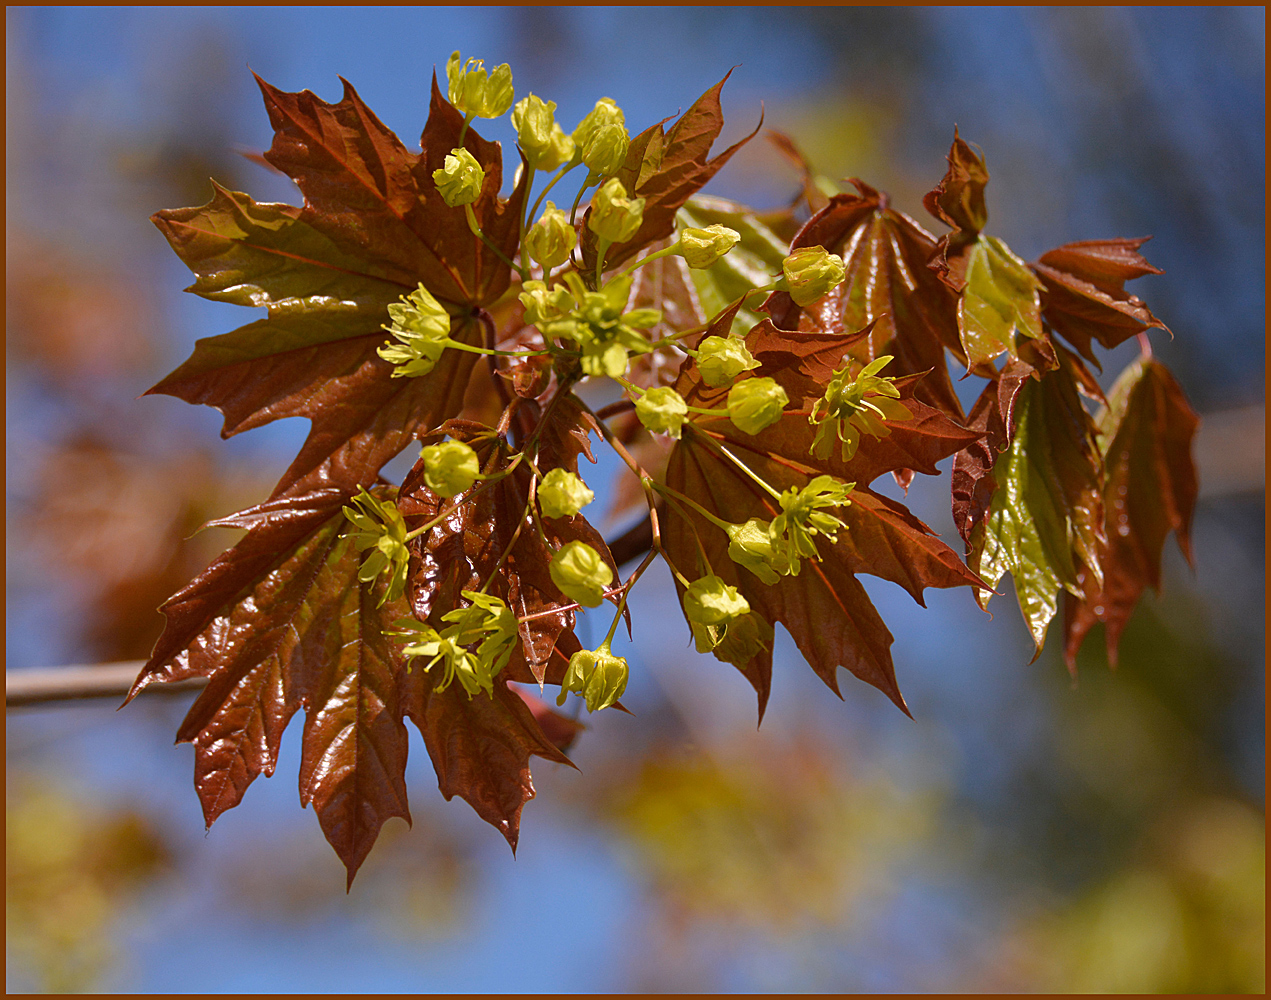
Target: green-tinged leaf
(1145,434)
(1047,511)
(888,286)
(1085,297)
(755,261)
(280,622)
(1000,302)
(666,285)
(665,167)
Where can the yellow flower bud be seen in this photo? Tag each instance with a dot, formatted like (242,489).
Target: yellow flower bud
(605,150)
(460,180)
(604,113)
(662,410)
(703,247)
(750,546)
(551,239)
(811,272)
(580,573)
(614,216)
(533,119)
(598,676)
(710,601)
(563,494)
(722,359)
(473,93)
(559,151)
(450,467)
(756,403)
(745,639)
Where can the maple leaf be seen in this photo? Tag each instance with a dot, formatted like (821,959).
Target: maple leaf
(825,609)
(999,308)
(1044,514)
(1085,297)
(372,228)
(665,167)
(1145,434)
(279,622)
(912,312)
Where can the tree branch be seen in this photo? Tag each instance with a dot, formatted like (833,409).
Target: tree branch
(103,680)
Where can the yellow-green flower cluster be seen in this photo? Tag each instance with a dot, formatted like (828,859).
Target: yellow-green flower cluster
(593,320)
(598,676)
(802,517)
(855,405)
(421,326)
(486,624)
(475,94)
(381,530)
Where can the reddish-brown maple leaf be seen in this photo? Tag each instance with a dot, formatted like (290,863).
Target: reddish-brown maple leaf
(1085,297)
(825,609)
(1146,434)
(278,623)
(888,284)
(372,228)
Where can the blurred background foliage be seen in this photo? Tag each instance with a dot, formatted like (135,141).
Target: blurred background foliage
(1026,834)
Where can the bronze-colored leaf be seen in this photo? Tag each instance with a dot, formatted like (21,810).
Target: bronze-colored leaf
(1145,434)
(913,314)
(1085,297)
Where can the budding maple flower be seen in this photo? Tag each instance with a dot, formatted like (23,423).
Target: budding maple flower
(756,403)
(460,180)
(703,247)
(662,410)
(811,272)
(450,467)
(750,546)
(846,410)
(614,216)
(382,529)
(560,150)
(551,239)
(598,676)
(606,112)
(422,326)
(745,638)
(563,494)
(580,573)
(473,93)
(605,150)
(722,359)
(546,307)
(533,119)
(710,601)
